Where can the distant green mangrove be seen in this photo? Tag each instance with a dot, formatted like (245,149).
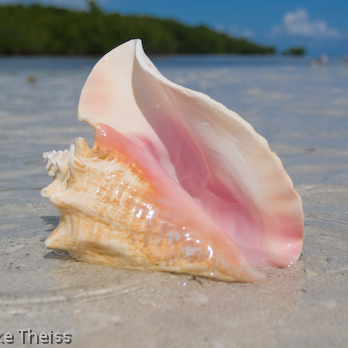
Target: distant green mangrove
(41,30)
(294,51)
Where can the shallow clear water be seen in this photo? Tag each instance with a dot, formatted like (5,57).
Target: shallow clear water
(301,109)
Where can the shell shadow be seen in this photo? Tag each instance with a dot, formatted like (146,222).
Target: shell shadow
(51,222)
(57,255)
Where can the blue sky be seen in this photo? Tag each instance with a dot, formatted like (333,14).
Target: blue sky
(319,25)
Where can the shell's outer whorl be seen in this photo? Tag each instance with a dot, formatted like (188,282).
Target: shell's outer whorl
(125,225)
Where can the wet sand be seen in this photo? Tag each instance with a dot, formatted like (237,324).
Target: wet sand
(302,111)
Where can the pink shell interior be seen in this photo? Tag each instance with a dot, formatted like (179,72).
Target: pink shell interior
(199,146)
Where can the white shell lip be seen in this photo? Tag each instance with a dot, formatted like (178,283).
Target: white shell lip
(126,92)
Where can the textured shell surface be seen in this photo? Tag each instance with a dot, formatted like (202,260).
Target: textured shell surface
(174,181)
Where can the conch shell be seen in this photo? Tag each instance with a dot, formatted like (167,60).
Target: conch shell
(174,182)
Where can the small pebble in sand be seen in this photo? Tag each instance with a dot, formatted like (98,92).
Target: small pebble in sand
(31,79)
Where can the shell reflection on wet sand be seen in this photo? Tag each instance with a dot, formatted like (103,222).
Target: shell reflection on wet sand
(174,181)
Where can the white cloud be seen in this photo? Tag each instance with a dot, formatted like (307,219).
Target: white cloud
(298,23)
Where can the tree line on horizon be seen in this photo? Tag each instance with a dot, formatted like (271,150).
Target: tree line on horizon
(41,30)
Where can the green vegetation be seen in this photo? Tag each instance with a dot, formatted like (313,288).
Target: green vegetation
(38,30)
(294,51)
